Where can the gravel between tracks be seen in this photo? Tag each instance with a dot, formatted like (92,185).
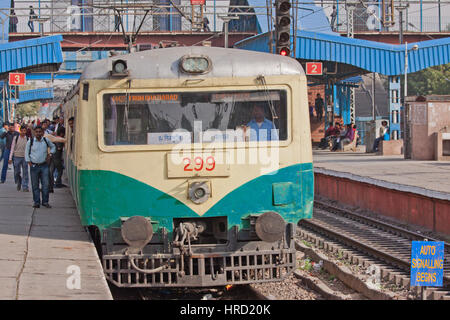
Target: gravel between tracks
(294,289)
(289,289)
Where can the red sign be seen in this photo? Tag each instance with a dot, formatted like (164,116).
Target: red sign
(17,79)
(314,68)
(197,2)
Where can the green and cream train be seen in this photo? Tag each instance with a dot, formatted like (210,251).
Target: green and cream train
(192,165)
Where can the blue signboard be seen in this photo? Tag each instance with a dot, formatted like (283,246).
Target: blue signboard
(427,263)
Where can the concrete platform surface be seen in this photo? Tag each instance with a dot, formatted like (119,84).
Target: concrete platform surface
(427,178)
(46,254)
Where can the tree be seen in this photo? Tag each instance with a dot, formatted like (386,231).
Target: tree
(434,80)
(27,109)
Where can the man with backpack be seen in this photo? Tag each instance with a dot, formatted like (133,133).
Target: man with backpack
(17,156)
(38,157)
(9,137)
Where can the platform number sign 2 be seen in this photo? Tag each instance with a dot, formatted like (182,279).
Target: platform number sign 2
(314,68)
(17,79)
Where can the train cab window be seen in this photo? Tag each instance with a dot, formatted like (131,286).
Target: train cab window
(186,117)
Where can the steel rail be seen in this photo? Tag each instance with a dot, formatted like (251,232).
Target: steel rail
(387,226)
(339,236)
(352,238)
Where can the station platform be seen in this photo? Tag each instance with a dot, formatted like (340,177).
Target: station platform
(414,192)
(46,254)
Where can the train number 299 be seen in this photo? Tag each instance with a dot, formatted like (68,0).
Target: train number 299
(198,164)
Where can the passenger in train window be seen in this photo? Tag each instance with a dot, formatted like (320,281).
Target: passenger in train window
(261,128)
(70,122)
(72,134)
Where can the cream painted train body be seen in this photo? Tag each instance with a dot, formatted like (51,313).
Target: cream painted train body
(192,164)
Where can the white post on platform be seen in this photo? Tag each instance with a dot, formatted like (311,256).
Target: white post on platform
(414,47)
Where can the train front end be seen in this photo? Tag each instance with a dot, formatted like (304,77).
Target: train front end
(199,175)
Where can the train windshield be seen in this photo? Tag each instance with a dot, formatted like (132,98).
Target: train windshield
(186,117)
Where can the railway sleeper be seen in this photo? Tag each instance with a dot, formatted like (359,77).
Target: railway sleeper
(387,273)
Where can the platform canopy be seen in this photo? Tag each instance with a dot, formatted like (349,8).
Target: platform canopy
(33,55)
(41,94)
(357,56)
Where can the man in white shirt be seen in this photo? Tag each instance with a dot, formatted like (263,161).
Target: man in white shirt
(17,156)
(383,130)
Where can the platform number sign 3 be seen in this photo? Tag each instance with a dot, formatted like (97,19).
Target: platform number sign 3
(314,68)
(17,79)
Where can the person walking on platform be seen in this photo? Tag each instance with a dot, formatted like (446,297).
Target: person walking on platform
(59,124)
(116,22)
(37,157)
(13,21)
(3,129)
(9,136)
(333,19)
(17,156)
(31,19)
(319,107)
(46,127)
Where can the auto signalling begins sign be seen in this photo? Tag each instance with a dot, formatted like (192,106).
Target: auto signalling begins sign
(427,263)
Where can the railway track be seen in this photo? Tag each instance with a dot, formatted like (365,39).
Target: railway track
(238,292)
(370,241)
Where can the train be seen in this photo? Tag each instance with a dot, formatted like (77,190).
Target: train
(191,166)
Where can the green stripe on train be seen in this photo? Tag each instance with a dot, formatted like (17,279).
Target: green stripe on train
(104,196)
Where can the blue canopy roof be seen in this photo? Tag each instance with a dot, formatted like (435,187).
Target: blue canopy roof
(32,55)
(371,56)
(35,95)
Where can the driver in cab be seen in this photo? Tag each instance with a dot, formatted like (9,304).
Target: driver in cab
(261,129)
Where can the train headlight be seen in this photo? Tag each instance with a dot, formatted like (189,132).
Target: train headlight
(119,68)
(199,192)
(137,231)
(270,227)
(195,64)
